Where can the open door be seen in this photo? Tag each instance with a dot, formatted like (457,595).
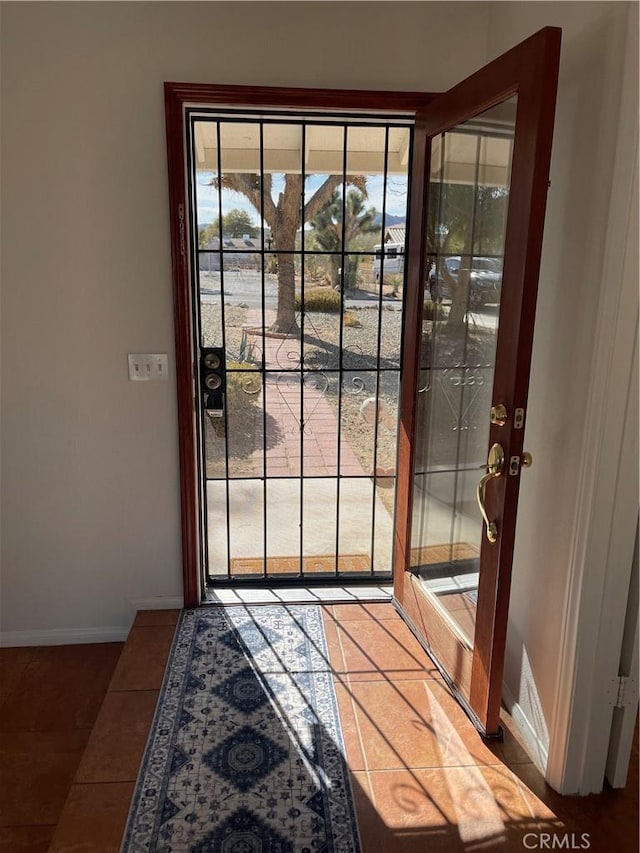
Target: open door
(479,184)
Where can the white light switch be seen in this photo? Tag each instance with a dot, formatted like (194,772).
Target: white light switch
(148,366)
(160,365)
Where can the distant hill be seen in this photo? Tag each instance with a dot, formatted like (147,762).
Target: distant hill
(390,219)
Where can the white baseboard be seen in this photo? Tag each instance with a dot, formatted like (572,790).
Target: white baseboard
(64,636)
(70,636)
(536,748)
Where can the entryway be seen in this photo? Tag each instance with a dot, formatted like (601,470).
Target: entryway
(294,361)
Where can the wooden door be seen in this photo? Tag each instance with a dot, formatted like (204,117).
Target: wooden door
(480,176)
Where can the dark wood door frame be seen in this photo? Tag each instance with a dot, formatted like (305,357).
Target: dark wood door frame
(179,96)
(529,71)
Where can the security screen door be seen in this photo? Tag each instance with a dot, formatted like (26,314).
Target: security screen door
(299,320)
(309,363)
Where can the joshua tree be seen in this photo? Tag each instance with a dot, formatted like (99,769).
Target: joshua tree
(284,218)
(328,230)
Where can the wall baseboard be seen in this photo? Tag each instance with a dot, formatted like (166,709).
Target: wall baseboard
(158,603)
(536,748)
(71,636)
(64,636)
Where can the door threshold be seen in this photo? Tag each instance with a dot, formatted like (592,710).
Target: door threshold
(299,595)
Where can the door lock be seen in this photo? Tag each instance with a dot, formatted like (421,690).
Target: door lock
(516,463)
(212,378)
(499,414)
(495,467)
(211,361)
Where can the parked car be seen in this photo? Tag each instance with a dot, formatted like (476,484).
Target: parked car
(485,279)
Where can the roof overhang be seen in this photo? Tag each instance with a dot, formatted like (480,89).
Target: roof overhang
(479,150)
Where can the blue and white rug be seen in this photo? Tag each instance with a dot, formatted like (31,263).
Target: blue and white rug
(245,754)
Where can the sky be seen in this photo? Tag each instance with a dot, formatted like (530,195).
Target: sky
(208,204)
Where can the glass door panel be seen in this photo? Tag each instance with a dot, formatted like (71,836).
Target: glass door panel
(469,190)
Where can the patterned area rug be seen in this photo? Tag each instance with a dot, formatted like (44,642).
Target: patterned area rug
(245,753)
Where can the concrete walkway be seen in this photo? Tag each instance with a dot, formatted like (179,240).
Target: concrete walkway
(306,516)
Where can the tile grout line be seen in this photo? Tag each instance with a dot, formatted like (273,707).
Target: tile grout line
(370,793)
(367,772)
(523,790)
(342,654)
(348,684)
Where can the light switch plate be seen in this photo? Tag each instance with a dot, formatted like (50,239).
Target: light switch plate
(145,367)
(159,365)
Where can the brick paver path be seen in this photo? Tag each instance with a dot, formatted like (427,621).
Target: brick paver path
(316,452)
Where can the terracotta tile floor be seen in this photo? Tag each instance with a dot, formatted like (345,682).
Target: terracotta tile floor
(49,701)
(423,780)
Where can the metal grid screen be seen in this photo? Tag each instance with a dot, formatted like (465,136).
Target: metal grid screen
(297,247)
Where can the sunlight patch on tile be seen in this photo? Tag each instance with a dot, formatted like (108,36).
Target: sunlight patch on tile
(478,815)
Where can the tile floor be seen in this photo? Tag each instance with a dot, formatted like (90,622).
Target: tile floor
(49,701)
(423,780)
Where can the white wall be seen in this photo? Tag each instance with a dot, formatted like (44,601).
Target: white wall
(90,501)
(559,579)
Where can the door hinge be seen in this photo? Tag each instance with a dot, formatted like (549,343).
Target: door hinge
(623,692)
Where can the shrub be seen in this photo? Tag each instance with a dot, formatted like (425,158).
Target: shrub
(351,320)
(433,311)
(393,281)
(323,299)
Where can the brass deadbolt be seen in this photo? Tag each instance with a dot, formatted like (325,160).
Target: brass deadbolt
(499,414)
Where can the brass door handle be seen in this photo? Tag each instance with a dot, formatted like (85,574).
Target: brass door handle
(495,467)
